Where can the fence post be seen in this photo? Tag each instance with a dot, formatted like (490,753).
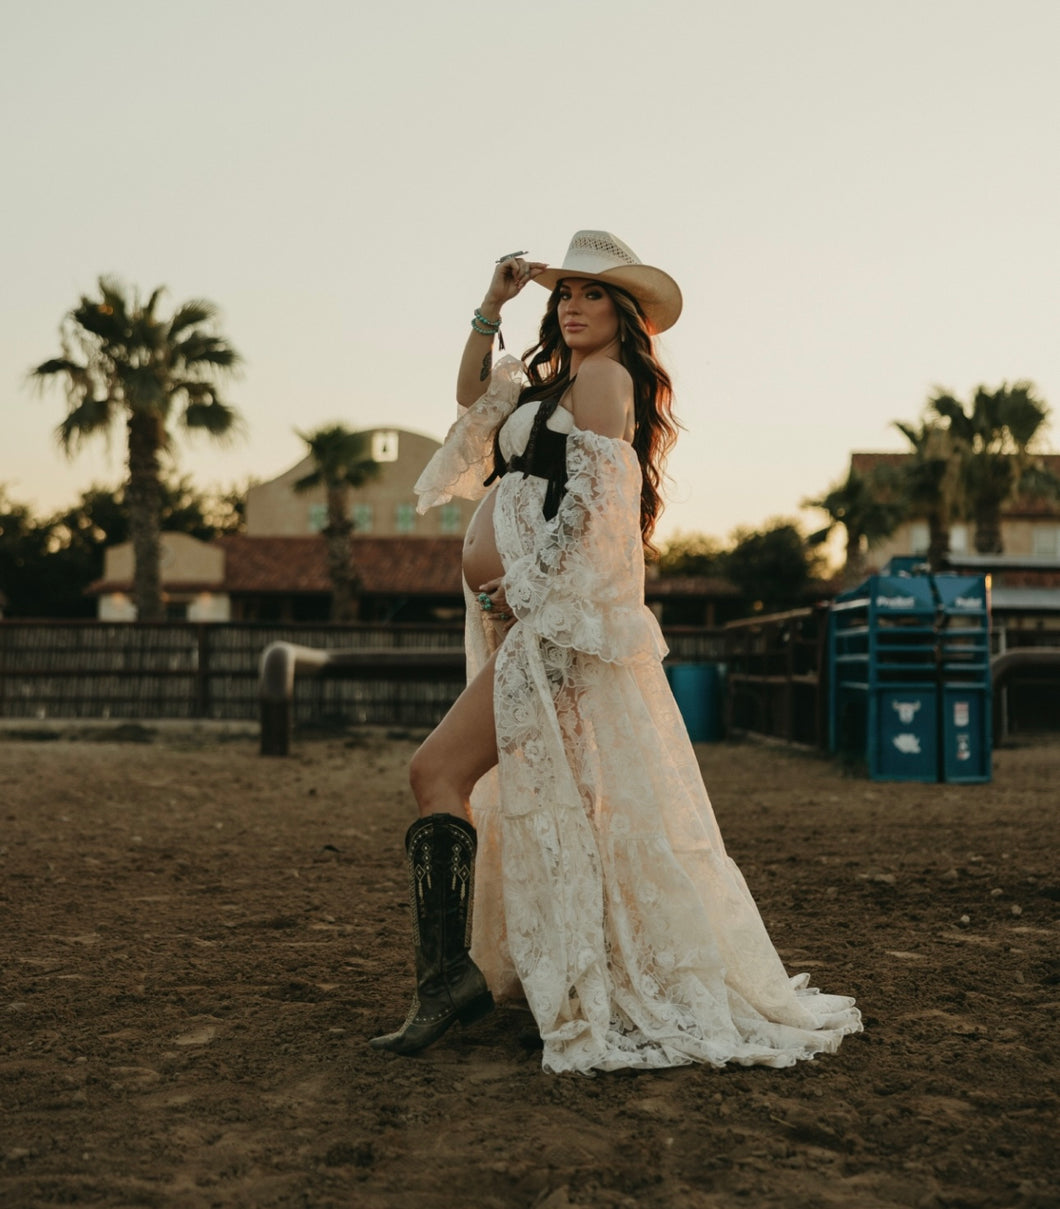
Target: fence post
(202,677)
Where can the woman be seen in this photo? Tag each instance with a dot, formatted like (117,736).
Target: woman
(603,893)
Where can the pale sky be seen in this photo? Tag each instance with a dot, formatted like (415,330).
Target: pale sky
(860,201)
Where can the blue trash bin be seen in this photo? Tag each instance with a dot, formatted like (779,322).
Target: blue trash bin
(697,691)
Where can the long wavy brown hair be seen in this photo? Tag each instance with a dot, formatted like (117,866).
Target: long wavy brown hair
(548,367)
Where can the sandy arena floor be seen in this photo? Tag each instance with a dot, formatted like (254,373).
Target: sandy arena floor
(196,943)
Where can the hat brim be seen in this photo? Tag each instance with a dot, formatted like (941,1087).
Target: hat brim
(657,293)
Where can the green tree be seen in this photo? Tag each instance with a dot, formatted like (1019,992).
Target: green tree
(931,484)
(869,507)
(342,463)
(24,545)
(100,518)
(994,437)
(46,564)
(121,360)
(772,567)
(691,554)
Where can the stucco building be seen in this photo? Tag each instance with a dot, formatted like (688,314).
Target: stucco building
(409,564)
(1025,578)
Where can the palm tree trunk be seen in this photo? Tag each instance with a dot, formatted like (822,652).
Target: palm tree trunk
(854,562)
(343,599)
(144,501)
(988,527)
(344,580)
(938,541)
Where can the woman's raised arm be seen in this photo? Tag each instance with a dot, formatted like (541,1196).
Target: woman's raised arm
(509,276)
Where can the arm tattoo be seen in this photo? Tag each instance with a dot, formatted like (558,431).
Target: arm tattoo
(487,365)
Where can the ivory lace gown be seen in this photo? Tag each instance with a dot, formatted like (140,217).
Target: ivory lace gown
(603,890)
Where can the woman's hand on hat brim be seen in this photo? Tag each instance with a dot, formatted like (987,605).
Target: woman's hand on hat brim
(509,277)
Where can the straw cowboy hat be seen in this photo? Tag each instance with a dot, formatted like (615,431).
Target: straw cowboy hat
(601,256)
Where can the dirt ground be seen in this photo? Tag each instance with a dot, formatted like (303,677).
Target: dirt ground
(195,943)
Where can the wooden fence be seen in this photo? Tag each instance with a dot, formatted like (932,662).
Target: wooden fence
(54,669)
(777,676)
(777,684)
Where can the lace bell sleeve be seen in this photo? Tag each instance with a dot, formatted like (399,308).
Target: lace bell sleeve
(466,456)
(582,586)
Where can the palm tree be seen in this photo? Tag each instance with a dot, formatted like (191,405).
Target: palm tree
(994,439)
(121,360)
(342,463)
(868,506)
(931,484)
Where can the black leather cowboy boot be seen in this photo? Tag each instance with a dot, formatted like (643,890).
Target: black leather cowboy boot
(449,986)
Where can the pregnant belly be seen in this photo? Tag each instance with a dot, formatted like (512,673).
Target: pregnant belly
(481,559)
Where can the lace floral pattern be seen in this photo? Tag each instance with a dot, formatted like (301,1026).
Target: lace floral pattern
(603,890)
(465,459)
(578,580)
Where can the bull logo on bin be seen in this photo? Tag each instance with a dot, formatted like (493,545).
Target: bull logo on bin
(906,710)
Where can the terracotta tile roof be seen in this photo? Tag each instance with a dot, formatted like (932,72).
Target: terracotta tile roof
(1024,506)
(407,566)
(707,586)
(427,566)
(101,587)
(1045,578)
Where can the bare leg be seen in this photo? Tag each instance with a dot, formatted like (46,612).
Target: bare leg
(461,749)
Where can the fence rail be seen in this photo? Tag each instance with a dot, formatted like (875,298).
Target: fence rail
(776,684)
(176,670)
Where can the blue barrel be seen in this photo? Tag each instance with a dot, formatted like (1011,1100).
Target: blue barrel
(697,691)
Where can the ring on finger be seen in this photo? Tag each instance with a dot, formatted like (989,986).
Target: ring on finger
(484,602)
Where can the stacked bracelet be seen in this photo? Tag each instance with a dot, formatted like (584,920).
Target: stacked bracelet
(484,326)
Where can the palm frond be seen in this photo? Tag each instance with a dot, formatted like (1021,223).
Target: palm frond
(342,453)
(218,355)
(911,434)
(118,354)
(948,408)
(1025,415)
(113,304)
(142,388)
(152,302)
(59,365)
(99,320)
(92,417)
(308,481)
(191,314)
(201,348)
(212,416)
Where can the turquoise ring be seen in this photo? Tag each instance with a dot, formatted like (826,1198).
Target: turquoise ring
(484,602)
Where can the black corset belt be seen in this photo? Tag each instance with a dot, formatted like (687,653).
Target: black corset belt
(545,457)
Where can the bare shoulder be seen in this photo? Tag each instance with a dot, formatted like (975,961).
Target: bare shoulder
(603,397)
(604,374)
